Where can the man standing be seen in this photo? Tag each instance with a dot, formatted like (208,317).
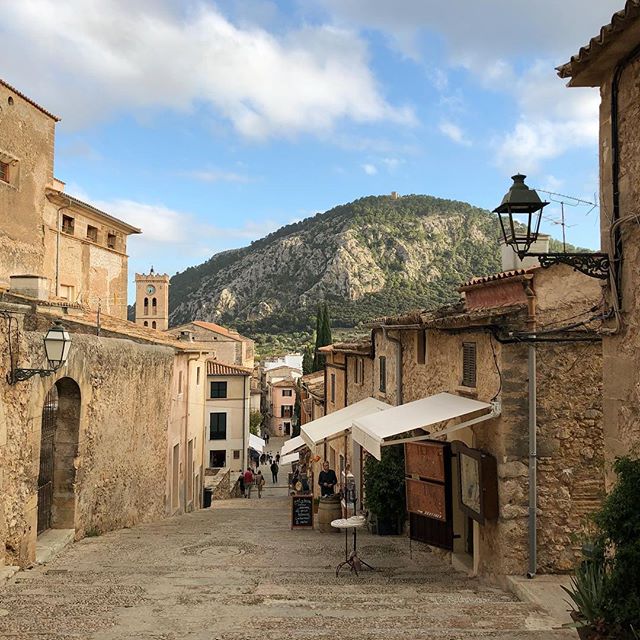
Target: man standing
(327,480)
(248,481)
(274,472)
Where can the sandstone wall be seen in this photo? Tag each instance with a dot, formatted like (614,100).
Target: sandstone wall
(120,462)
(622,350)
(26,137)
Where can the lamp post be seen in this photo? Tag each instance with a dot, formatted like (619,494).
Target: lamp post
(520,214)
(57,343)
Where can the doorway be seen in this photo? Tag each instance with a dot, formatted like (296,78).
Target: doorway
(58,450)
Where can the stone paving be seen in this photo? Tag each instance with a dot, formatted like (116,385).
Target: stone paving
(237,572)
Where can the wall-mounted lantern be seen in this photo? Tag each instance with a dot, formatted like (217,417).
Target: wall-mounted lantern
(57,343)
(520,214)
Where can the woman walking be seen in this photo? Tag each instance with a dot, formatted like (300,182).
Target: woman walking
(259,483)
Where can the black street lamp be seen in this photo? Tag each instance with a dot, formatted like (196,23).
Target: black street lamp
(520,214)
(57,343)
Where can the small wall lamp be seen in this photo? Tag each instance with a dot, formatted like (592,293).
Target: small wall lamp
(57,343)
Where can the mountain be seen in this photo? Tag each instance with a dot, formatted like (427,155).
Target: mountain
(375,256)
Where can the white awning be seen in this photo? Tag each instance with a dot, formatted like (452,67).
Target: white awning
(289,458)
(256,443)
(339,422)
(295,444)
(375,431)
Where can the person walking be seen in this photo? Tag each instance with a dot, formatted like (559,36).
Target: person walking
(259,483)
(277,458)
(263,458)
(248,481)
(274,472)
(241,484)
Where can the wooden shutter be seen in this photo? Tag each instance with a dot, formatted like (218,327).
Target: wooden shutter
(469,364)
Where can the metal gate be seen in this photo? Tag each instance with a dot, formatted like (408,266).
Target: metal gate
(45,476)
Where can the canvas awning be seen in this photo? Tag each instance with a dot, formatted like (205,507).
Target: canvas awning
(295,444)
(289,458)
(339,422)
(410,422)
(256,443)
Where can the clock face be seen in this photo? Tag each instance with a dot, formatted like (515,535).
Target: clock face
(151,289)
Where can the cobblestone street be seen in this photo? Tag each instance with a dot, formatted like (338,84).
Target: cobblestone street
(238,572)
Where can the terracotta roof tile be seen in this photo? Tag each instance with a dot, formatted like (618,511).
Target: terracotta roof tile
(29,100)
(215,368)
(212,326)
(620,21)
(495,277)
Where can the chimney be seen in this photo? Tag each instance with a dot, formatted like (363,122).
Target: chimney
(186,336)
(511,261)
(31,286)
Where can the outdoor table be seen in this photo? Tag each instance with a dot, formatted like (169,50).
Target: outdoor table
(353,523)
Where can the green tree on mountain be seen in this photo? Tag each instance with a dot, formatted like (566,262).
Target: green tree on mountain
(323,336)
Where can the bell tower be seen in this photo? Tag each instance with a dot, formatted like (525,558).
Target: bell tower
(152,300)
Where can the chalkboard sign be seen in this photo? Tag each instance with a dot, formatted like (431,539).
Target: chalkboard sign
(301,511)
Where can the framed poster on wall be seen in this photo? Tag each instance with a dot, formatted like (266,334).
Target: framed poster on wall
(478,483)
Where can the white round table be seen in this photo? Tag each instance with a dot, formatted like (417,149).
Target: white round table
(353,523)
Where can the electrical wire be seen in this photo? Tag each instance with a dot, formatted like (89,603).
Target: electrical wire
(495,361)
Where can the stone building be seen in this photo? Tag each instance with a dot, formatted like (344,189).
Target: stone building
(611,61)
(152,300)
(228,345)
(112,439)
(227,416)
(44,231)
(282,400)
(311,396)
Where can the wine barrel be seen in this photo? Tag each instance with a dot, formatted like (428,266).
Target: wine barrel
(329,509)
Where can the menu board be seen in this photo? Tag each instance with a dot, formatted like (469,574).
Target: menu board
(301,511)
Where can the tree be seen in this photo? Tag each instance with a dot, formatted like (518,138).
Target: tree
(323,336)
(255,420)
(307,360)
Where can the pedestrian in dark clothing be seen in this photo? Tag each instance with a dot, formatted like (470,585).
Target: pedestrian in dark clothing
(241,484)
(327,480)
(277,458)
(274,472)
(263,457)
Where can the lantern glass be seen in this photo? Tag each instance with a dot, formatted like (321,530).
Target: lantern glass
(57,343)
(520,214)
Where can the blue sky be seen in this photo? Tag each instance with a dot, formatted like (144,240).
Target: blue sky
(209,124)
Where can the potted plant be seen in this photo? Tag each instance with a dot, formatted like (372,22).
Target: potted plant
(605,590)
(384,490)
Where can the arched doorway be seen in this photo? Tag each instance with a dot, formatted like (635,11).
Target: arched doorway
(58,449)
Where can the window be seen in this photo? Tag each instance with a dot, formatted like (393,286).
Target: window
(287,393)
(382,361)
(286,411)
(153,324)
(92,233)
(68,223)
(469,364)
(218,389)
(154,306)
(179,382)
(197,375)
(111,240)
(4,171)
(146,324)
(218,459)
(333,387)
(67,292)
(146,306)
(421,347)
(217,426)
(175,495)
(236,454)
(359,374)
(287,428)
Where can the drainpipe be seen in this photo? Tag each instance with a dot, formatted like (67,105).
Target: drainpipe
(533,425)
(398,344)
(245,439)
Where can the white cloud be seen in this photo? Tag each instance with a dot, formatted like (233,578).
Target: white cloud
(115,56)
(370,169)
(454,132)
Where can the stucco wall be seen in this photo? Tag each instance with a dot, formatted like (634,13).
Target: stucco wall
(120,462)
(27,135)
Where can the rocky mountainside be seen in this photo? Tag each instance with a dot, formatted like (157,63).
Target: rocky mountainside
(375,256)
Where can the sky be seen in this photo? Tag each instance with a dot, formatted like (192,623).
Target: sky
(210,124)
